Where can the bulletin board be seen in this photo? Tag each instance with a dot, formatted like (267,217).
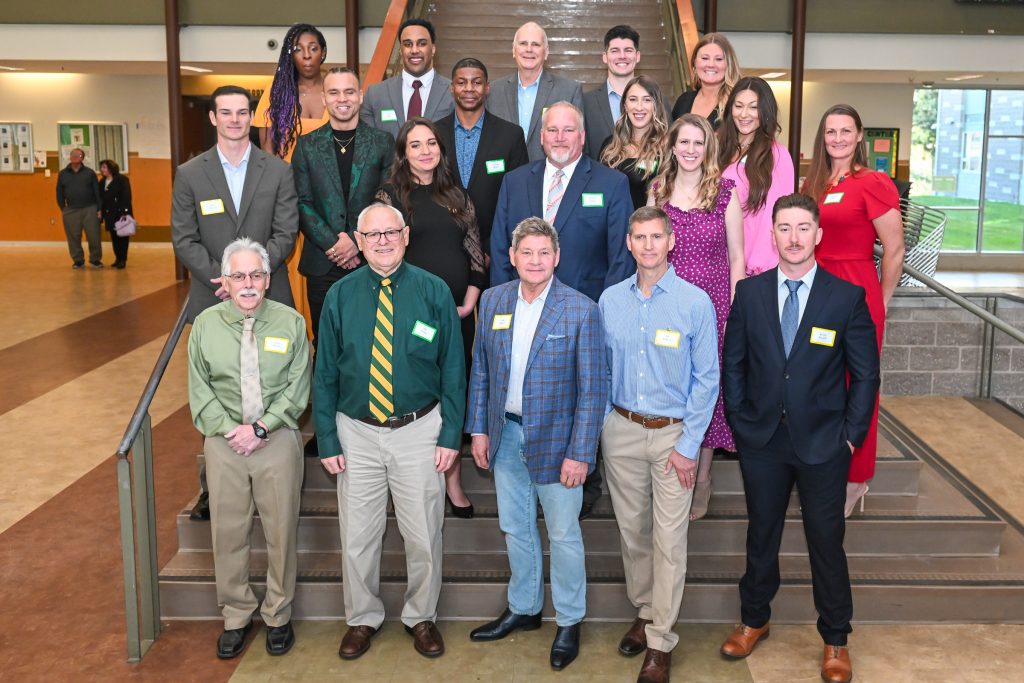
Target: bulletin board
(882,147)
(98,140)
(16,152)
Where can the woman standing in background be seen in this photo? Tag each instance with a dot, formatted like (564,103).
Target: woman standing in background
(116,194)
(636,145)
(715,71)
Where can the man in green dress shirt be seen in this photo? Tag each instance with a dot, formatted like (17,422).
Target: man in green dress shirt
(389,400)
(249,378)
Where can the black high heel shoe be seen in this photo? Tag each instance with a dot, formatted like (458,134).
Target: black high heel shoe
(460,512)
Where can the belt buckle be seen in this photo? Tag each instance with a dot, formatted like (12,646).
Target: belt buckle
(645,418)
(394,421)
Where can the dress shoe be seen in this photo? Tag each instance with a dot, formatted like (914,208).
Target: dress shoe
(459,511)
(96,265)
(426,639)
(504,625)
(280,639)
(742,641)
(566,646)
(635,640)
(835,665)
(356,641)
(656,668)
(231,642)
(586,510)
(201,510)
(77,265)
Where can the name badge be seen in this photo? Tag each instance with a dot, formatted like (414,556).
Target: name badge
(211,206)
(424,331)
(593,199)
(495,166)
(502,321)
(823,337)
(642,166)
(666,338)
(388,115)
(833,197)
(275,344)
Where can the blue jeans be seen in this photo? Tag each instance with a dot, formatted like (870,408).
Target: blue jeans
(517,514)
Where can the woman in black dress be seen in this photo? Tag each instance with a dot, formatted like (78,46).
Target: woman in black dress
(715,71)
(116,193)
(443,238)
(637,143)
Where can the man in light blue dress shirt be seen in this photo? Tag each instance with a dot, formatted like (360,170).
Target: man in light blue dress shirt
(662,351)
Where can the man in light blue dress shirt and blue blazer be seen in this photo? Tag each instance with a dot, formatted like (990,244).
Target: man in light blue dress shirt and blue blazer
(537,394)
(662,343)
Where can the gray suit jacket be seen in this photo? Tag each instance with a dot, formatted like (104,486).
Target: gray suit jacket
(599,119)
(268,213)
(504,102)
(385,98)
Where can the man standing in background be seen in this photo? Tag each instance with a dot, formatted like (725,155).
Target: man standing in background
(78,196)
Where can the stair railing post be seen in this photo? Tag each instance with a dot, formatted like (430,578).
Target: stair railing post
(988,348)
(145,525)
(131,591)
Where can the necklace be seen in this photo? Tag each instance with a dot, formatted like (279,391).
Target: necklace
(343,144)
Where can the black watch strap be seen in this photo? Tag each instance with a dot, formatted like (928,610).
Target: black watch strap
(261,432)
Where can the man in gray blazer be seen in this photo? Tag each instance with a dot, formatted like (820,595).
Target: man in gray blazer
(602,105)
(523,96)
(418,91)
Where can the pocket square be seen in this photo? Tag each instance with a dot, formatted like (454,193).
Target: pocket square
(553,337)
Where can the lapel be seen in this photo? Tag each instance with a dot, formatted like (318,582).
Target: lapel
(512,96)
(362,141)
(323,149)
(535,188)
(553,307)
(571,198)
(483,150)
(771,306)
(437,93)
(506,305)
(547,84)
(606,111)
(395,97)
(215,174)
(820,290)
(253,173)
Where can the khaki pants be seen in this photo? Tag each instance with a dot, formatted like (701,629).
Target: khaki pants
(379,459)
(268,481)
(653,512)
(77,220)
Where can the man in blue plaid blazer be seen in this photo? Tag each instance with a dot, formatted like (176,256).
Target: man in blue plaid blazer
(537,397)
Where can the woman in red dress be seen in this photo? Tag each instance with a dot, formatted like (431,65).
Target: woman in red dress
(857,205)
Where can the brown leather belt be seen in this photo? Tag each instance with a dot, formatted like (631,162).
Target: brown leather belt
(647,421)
(397,421)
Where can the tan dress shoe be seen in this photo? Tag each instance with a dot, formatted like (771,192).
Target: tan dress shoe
(835,666)
(356,641)
(635,640)
(426,639)
(742,641)
(656,668)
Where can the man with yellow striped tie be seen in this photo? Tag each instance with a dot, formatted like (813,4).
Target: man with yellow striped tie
(389,403)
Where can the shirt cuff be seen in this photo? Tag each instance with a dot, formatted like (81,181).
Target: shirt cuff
(687,446)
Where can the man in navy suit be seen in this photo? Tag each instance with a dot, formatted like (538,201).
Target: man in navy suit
(537,398)
(799,373)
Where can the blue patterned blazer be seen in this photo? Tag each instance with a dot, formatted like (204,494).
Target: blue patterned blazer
(566,385)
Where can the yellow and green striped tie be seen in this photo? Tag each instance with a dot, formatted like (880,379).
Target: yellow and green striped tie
(381,391)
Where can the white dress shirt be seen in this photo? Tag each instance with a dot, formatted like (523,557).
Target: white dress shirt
(524,326)
(426,81)
(802,294)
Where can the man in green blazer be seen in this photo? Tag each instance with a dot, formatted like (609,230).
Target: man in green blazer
(338,169)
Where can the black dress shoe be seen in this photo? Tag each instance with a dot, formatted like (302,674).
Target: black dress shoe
(586,510)
(201,510)
(504,625)
(565,646)
(231,642)
(460,512)
(312,449)
(280,639)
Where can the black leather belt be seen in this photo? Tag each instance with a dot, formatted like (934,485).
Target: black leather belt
(518,419)
(397,421)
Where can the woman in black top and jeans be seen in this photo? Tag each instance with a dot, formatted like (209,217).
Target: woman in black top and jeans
(116,194)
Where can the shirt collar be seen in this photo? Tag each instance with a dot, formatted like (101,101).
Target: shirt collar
(611,90)
(807,279)
(426,79)
(664,283)
(476,126)
(543,295)
(245,157)
(519,80)
(234,316)
(376,278)
(549,168)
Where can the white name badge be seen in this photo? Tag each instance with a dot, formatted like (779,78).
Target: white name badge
(833,198)
(424,331)
(211,206)
(275,344)
(502,321)
(593,199)
(823,337)
(495,166)
(666,338)
(388,115)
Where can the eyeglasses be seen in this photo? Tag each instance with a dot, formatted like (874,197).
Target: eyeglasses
(389,235)
(255,276)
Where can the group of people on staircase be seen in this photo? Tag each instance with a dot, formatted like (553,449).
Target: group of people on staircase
(570,281)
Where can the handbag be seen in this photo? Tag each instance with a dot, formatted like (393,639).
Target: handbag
(125,226)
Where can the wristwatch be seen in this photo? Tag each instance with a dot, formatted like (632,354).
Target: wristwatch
(260,431)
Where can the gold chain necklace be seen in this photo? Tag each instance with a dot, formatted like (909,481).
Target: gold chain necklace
(343,144)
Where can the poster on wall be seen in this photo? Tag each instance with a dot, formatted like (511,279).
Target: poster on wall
(883,145)
(16,147)
(98,140)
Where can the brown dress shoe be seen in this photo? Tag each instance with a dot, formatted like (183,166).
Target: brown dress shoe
(656,668)
(426,639)
(635,640)
(742,641)
(835,665)
(356,641)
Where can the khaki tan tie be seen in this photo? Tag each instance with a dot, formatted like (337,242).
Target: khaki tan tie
(252,393)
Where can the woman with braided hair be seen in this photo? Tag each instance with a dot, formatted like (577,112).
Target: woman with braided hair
(293,105)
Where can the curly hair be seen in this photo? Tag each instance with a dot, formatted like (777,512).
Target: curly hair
(285,110)
(651,147)
(707,189)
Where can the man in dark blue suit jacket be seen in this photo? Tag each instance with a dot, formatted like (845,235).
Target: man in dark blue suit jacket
(794,335)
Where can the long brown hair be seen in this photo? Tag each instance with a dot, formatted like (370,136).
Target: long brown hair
(820,171)
(651,148)
(760,158)
(445,192)
(732,67)
(707,189)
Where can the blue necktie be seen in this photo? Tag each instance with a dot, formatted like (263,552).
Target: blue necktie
(790,315)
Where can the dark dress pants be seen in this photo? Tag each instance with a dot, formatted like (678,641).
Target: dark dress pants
(120,244)
(316,292)
(768,478)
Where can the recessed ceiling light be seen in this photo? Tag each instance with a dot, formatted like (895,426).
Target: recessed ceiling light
(11,68)
(965,77)
(197,69)
(773,74)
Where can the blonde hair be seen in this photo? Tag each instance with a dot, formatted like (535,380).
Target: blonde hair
(651,148)
(732,67)
(707,188)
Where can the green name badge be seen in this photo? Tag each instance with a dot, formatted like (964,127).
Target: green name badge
(424,331)
(495,166)
(388,115)
(593,199)
(833,198)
